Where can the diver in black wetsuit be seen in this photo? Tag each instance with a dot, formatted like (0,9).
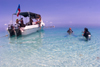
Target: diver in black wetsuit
(86,34)
(70,31)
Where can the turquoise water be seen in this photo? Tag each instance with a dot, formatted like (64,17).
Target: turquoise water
(51,47)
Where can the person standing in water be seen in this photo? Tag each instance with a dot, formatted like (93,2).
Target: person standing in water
(70,31)
(86,34)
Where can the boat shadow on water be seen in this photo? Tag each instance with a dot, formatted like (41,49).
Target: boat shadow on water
(33,40)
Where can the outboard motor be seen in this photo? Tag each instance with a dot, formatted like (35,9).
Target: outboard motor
(17,29)
(10,30)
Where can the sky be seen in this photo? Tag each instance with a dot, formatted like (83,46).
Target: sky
(61,13)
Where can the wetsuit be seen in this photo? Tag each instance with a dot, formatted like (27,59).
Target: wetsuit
(86,34)
(69,31)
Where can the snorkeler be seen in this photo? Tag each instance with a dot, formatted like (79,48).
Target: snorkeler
(87,34)
(70,31)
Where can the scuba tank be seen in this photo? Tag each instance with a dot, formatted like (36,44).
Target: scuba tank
(89,37)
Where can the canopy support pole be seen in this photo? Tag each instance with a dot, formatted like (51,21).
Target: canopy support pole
(12,18)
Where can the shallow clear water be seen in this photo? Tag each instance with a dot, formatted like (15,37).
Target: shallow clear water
(51,48)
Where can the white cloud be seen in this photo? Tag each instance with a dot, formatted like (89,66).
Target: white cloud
(5,24)
(10,21)
(50,22)
(70,22)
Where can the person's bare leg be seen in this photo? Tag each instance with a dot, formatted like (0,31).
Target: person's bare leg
(40,26)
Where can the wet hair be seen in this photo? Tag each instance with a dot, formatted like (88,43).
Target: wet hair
(86,29)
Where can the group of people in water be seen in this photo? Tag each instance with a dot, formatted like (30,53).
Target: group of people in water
(21,24)
(86,33)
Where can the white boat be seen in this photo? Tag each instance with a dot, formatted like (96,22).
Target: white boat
(28,29)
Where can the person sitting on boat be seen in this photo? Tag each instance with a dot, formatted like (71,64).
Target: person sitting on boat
(39,21)
(17,21)
(86,34)
(70,31)
(17,25)
(22,23)
(31,21)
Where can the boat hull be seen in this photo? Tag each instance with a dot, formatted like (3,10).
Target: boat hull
(29,31)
